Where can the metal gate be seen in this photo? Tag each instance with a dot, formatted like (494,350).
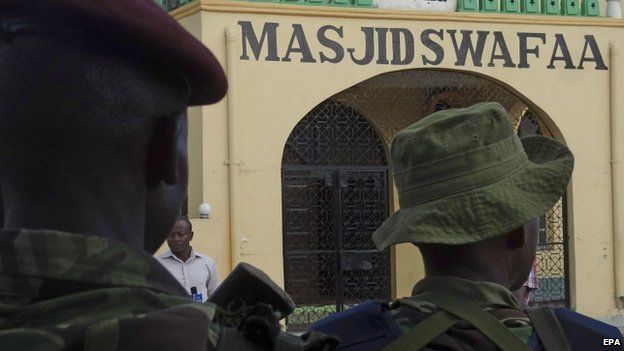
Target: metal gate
(334,195)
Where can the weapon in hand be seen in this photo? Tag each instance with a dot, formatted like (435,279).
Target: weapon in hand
(246,287)
(252,304)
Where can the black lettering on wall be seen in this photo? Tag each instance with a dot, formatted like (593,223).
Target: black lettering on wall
(499,42)
(560,44)
(398,47)
(382,58)
(438,51)
(369,50)
(524,51)
(330,44)
(590,42)
(302,45)
(269,33)
(461,51)
(397,33)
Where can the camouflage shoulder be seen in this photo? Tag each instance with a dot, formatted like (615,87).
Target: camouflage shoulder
(112,319)
(408,312)
(185,327)
(30,339)
(81,258)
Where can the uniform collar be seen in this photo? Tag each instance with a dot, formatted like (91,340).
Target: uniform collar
(53,258)
(483,293)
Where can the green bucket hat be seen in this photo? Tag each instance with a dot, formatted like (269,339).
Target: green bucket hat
(464,176)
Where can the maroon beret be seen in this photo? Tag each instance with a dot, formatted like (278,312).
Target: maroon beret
(140,24)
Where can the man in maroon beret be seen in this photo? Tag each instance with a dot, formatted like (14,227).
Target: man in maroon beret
(93,168)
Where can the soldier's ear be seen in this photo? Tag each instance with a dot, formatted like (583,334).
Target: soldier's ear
(516,238)
(168,137)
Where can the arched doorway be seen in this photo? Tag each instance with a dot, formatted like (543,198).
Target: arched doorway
(334,195)
(334,142)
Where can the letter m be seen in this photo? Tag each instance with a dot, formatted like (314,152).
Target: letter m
(269,34)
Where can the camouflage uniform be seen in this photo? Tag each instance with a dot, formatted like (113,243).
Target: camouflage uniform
(62,291)
(494,298)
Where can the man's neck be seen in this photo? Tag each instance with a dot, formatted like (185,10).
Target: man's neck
(469,274)
(112,213)
(183,255)
(475,270)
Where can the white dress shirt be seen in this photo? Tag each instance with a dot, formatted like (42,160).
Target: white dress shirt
(198,271)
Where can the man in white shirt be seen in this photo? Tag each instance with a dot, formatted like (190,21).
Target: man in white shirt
(195,271)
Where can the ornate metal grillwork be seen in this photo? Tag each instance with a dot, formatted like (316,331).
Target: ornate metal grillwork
(553,283)
(334,196)
(334,134)
(551,259)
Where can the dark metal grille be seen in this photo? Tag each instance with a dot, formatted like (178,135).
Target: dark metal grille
(553,283)
(364,269)
(334,196)
(334,134)
(551,258)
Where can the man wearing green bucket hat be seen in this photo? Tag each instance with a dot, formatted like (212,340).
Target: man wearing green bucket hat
(470,193)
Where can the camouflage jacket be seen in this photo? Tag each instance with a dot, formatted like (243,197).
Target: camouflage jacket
(494,298)
(61,291)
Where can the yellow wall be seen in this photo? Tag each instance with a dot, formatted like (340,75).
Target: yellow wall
(267,99)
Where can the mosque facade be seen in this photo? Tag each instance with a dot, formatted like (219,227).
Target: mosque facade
(294,161)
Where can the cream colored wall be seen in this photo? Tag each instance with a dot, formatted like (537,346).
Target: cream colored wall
(208,176)
(271,97)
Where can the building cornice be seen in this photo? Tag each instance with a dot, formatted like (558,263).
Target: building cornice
(247,7)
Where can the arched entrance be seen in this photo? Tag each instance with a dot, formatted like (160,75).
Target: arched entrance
(334,195)
(334,154)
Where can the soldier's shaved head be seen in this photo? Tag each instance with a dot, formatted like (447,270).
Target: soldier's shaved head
(89,138)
